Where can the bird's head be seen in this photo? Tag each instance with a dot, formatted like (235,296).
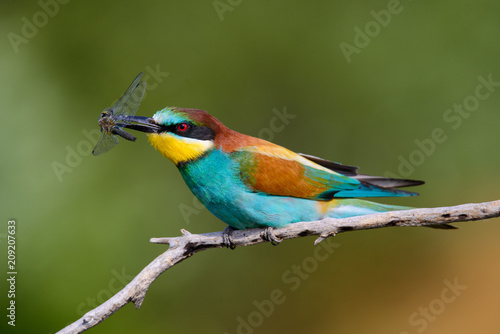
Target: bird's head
(182,135)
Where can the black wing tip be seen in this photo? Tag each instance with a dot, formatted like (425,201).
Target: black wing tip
(387,182)
(412,183)
(407,183)
(345,170)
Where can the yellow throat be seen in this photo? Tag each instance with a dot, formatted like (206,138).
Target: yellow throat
(179,149)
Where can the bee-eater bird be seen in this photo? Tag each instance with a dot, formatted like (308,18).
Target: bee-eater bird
(248,182)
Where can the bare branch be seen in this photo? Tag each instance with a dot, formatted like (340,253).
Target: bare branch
(188,244)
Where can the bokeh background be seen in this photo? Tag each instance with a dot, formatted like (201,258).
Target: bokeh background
(84,222)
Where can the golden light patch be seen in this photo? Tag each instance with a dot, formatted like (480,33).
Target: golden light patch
(325,206)
(179,149)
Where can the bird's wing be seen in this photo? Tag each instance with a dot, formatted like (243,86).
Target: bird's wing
(275,170)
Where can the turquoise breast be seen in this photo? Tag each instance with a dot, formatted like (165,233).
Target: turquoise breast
(215,180)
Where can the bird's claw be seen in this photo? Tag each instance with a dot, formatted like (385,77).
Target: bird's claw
(269,235)
(226,237)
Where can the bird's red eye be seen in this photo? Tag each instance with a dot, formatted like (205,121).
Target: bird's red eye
(182,127)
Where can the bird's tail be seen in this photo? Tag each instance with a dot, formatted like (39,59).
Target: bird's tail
(344,208)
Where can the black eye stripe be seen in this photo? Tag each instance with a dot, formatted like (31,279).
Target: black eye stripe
(173,128)
(193,131)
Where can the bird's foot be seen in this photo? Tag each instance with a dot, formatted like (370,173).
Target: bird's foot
(269,235)
(226,237)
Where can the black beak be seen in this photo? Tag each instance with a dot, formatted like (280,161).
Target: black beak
(145,124)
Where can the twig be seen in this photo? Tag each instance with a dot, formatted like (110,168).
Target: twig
(188,244)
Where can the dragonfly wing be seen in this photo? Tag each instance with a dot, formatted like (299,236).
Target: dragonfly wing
(105,143)
(129,103)
(129,90)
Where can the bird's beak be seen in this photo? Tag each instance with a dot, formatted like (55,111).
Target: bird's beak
(144,124)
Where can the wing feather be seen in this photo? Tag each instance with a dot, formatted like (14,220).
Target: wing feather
(274,170)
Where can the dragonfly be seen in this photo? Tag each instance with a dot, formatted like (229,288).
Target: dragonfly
(121,115)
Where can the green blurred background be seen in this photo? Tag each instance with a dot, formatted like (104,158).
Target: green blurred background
(84,222)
